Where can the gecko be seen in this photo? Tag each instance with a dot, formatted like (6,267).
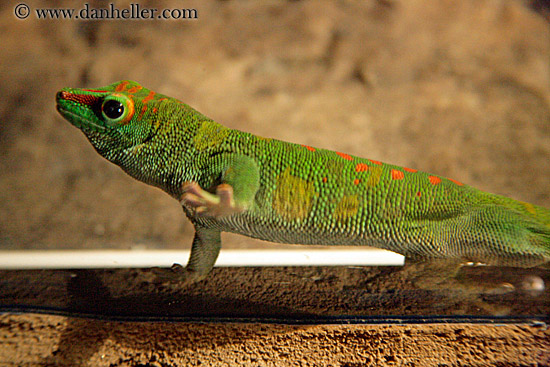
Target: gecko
(228,180)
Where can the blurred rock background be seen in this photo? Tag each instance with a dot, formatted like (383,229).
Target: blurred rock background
(457,88)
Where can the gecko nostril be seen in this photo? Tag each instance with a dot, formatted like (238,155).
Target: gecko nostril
(60,95)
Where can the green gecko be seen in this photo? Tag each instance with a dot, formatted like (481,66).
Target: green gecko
(229,180)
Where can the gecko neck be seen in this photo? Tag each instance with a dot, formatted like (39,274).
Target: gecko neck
(165,161)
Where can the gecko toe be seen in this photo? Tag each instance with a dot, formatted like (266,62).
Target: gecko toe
(192,200)
(225,192)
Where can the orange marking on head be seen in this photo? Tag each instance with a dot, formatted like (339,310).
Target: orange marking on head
(135,89)
(361,167)
(311,149)
(149,97)
(375,162)
(456,182)
(356,181)
(397,175)
(345,156)
(434,180)
(410,169)
(155,110)
(325,179)
(143,109)
(121,86)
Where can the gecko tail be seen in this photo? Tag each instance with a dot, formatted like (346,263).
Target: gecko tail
(492,234)
(505,236)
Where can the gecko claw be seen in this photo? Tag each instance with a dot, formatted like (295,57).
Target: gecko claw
(176,274)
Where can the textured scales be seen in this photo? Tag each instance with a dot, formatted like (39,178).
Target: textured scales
(229,180)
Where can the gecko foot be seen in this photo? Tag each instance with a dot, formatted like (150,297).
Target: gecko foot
(176,274)
(217,205)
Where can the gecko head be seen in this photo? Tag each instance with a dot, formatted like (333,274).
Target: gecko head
(115,117)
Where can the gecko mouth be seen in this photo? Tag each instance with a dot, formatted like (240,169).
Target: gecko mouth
(80,122)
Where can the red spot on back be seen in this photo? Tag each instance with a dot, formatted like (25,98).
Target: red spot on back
(155,110)
(345,156)
(361,167)
(311,149)
(356,181)
(410,169)
(375,162)
(325,179)
(456,182)
(397,175)
(434,180)
(419,194)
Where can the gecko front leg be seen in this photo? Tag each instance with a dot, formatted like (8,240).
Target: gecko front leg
(207,242)
(204,252)
(239,177)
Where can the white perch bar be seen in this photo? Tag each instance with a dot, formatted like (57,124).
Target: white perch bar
(93,259)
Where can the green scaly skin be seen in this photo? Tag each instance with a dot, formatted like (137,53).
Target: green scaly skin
(229,180)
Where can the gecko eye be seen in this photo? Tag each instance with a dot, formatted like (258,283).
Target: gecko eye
(113,109)
(117,109)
